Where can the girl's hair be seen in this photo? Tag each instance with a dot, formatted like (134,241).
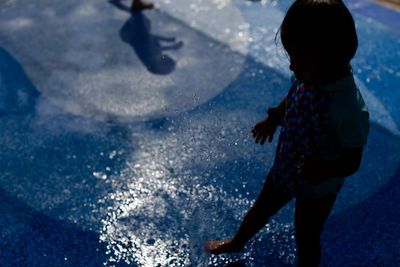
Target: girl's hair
(322,30)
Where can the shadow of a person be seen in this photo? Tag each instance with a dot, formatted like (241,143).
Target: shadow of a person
(148,47)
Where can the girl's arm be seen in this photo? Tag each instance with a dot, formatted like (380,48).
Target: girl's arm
(278,113)
(267,127)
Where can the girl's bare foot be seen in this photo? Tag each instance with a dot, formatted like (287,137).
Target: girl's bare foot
(140,5)
(222,246)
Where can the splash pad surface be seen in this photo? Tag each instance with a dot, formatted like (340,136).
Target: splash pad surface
(124,153)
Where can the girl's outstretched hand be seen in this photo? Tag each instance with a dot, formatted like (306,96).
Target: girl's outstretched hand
(265,129)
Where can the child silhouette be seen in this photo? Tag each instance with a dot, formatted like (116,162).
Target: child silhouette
(324,127)
(150,48)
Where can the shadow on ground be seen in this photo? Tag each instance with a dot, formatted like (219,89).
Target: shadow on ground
(149,48)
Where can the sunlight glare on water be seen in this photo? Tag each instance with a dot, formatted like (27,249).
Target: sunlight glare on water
(151,208)
(161,210)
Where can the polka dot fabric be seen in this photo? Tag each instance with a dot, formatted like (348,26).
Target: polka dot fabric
(304,130)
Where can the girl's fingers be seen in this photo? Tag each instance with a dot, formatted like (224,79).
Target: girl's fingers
(258,138)
(255,131)
(270,138)
(263,139)
(261,136)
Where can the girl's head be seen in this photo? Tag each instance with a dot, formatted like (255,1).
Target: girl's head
(320,38)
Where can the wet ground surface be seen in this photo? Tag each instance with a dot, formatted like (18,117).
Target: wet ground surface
(121,152)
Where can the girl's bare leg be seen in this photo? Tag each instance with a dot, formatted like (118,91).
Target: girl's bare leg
(310,218)
(268,203)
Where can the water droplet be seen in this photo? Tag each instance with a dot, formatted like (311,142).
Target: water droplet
(112,154)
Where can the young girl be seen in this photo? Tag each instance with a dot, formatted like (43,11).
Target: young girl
(324,128)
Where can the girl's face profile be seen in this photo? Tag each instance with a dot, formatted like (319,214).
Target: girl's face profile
(303,65)
(304,68)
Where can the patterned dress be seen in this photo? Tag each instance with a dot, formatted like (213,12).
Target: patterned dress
(304,129)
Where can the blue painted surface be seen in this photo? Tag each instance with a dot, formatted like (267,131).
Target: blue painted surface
(79,189)
(379,12)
